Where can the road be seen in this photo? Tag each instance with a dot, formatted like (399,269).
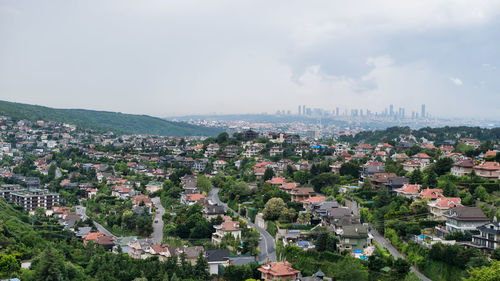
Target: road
(266,244)
(394,252)
(81,210)
(157,235)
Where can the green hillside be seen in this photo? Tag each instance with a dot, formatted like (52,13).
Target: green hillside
(105,121)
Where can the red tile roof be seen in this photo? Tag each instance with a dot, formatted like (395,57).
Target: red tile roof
(409,189)
(431,193)
(282,268)
(448,202)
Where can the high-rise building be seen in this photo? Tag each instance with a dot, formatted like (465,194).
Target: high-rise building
(391,110)
(337,111)
(299,110)
(303,110)
(423,114)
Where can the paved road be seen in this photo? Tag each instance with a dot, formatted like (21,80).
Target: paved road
(266,244)
(394,252)
(157,235)
(81,210)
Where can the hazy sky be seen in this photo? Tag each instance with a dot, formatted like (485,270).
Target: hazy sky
(167,58)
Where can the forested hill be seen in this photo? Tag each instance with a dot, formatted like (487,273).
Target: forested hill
(436,134)
(103,121)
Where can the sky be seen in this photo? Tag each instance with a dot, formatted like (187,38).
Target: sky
(171,58)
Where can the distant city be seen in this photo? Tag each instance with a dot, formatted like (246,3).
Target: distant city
(388,112)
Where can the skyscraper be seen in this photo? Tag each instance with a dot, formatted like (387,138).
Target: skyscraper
(299,109)
(422,114)
(303,110)
(391,110)
(337,111)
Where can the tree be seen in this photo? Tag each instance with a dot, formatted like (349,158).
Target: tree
(485,273)
(203,183)
(481,194)
(443,165)
(367,185)
(268,174)
(301,176)
(324,179)
(8,265)
(349,169)
(201,267)
(304,218)
(383,198)
(49,265)
(496,254)
(349,269)
(273,208)
(402,267)
(52,172)
(416,177)
(449,189)
(431,180)
(287,215)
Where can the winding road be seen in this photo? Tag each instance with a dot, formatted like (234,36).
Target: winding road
(266,244)
(156,236)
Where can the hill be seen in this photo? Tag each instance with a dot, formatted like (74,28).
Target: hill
(103,121)
(435,134)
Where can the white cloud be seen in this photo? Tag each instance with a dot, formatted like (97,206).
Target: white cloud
(456,81)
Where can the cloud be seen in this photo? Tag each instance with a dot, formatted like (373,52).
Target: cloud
(456,81)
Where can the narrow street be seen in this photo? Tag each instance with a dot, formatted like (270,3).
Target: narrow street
(266,243)
(157,234)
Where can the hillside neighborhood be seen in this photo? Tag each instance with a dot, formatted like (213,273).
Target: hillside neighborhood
(250,205)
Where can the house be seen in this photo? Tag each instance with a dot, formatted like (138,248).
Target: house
(276,151)
(191,253)
(231,150)
(213,211)
(412,165)
(302,194)
(354,237)
(471,142)
(489,237)
(107,242)
(212,150)
(217,259)
(142,200)
(395,183)
(371,168)
(422,158)
(431,193)
(282,270)
(364,148)
(442,204)
(400,157)
(249,135)
(488,170)
(464,218)
(92,237)
(200,164)
(276,181)
(227,227)
(379,180)
(122,192)
(153,186)
(191,199)
(410,191)
(219,164)
(462,168)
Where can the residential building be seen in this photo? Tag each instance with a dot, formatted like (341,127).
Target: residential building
(354,237)
(489,236)
(488,170)
(278,271)
(410,191)
(227,227)
(464,218)
(30,199)
(462,168)
(217,259)
(441,205)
